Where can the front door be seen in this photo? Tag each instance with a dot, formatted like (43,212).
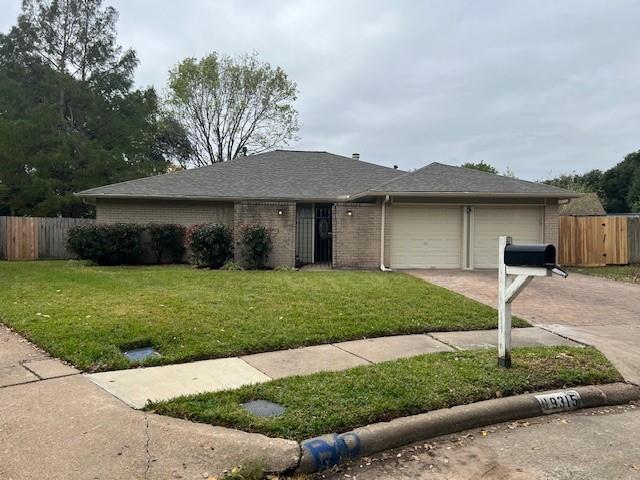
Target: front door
(323,233)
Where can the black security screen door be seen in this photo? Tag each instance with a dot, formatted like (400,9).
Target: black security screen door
(323,232)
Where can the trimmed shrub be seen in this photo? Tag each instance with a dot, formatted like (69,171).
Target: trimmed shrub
(167,240)
(285,268)
(211,245)
(116,244)
(232,266)
(256,243)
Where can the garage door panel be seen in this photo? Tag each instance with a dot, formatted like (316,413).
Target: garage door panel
(426,237)
(524,224)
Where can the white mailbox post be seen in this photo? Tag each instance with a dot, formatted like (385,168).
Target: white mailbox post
(511,281)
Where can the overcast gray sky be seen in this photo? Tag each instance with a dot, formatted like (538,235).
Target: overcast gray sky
(541,87)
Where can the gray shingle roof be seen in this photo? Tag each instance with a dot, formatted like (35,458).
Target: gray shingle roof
(286,174)
(588,204)
(281,174)
(440,178)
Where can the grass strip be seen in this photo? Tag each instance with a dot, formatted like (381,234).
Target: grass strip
(339,401)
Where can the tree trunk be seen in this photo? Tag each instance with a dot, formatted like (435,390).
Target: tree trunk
(61,103)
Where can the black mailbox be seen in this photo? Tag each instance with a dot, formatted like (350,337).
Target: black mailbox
(538,255)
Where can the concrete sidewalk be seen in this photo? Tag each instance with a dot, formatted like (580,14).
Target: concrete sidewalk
(21,362)
(58,425)
(137,386)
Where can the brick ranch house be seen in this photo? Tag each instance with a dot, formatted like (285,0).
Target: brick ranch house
(335,210)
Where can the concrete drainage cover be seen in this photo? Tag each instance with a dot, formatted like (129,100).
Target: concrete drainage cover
(263,408)
(140,354)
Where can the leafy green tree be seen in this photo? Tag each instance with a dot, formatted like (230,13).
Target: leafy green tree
(618,187)
(482,166)
(69,117)
(230,105)
(587,183)
(621,184)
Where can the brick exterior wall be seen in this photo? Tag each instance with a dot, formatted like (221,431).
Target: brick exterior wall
(551,222)
(356,237)
(283,228)
(182,212)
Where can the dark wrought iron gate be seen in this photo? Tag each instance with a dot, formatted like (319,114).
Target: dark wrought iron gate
(314,233)
(324,232)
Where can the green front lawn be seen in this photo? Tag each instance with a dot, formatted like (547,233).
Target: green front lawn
(87,315)
(620,273)
(340,401)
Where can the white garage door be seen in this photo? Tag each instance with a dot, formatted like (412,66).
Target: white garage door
(524,224)
(426,237)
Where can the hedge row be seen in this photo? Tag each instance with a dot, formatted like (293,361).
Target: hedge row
(209,245)
(129,244)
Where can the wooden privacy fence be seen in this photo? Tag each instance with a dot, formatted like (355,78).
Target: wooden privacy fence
(31,238)
(599,240)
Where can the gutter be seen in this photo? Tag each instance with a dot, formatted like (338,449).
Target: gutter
(382,219)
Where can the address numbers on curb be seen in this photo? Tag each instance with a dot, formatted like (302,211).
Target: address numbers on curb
(559,401)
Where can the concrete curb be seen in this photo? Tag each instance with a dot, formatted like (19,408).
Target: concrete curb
(326,451)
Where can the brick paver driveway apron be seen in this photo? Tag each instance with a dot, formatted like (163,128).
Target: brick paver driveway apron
(597,311)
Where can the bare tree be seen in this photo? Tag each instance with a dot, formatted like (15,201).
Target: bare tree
(228,104)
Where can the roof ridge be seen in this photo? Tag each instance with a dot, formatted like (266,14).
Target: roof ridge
(294,151)
(345,157)
(452,170)
(402,174)
(506,177)
(480,172)
(357,160)
(405,174)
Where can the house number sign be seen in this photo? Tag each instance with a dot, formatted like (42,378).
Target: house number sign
(559,401)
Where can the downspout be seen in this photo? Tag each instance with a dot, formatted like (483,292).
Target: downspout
(382,267)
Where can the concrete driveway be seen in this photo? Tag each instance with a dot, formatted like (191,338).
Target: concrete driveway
(596,311)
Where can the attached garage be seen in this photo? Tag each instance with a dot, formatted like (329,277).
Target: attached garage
(460,236)
(524,224)
(426,237)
